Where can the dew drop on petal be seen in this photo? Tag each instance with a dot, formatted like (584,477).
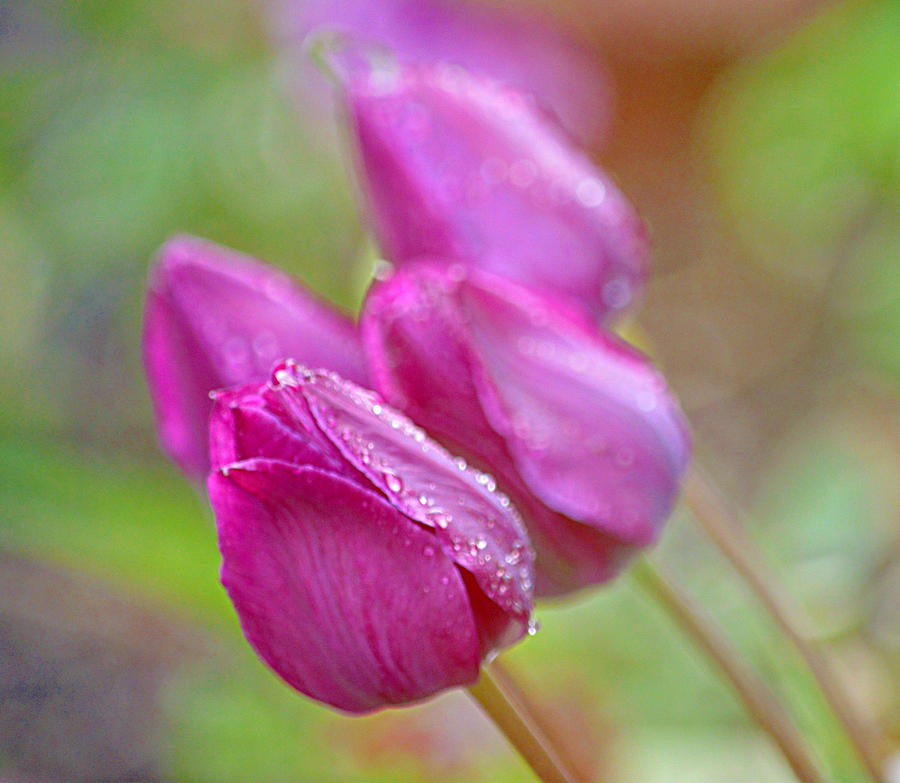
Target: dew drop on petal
(523,173)
(590,192)
(493,171)
(616,293)
(394,484)
(624,458)
(646,401)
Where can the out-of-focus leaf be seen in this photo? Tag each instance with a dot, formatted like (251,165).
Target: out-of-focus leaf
(805,140)
(867,290)
(139,528)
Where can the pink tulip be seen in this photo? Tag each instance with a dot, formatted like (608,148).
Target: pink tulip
(577,426)
(456,166)
(367,566)
(513,45)
(214,318)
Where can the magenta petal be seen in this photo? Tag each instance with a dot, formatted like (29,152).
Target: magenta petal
(251,422)
(344,597)
(572,555)
(578,427)
(458,167)
(514,46)
(216,318)
(591,426)
(421,360)
(476,526)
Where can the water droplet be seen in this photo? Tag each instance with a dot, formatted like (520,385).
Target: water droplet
(285,378)
(265,346)
(533,626)
(480,543)
(523,173)
(616,293)
(394,484)
(428,551)
(277,287)
(235,350)
(493,171)
(624,458)
(646,401)
(590,192)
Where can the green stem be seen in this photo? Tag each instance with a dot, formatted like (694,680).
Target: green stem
(726,530)
(520,729)
(759,701)
(581,768)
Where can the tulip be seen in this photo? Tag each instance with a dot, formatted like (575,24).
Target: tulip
(516,46)
(577,426)
(216,318)
(455,166)
(367,566)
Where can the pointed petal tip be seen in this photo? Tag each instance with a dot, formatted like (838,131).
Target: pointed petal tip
(349,61)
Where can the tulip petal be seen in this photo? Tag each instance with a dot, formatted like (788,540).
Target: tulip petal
(459,167)
(216,318)
(517,47)
(251,421)
(572,555)
(343,596)
(577,427)
(475,525)
(588,420)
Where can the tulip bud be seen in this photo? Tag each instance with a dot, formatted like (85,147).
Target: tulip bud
(367,566)
(459,167)
(514,45)
(577,426)
(216,318)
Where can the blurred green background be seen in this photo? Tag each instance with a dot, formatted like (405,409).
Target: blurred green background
(775,311)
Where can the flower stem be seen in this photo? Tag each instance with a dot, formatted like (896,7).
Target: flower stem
(726,530)
(759,701)
(520,728)
(580,768)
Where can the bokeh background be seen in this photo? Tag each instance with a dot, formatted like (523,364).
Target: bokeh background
(761,141)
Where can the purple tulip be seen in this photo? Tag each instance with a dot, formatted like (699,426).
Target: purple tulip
(514,46)
(577,426)
(367,566)
(455,166)
(216,318)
